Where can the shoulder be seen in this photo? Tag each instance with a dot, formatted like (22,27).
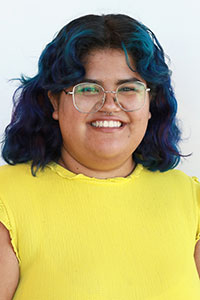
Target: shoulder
(17,179)
(14,177)
(8,169)
(175,181)
(17,185)
(14,172)
(173,176)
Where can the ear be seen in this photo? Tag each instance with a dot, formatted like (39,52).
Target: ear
(149,115)
(150,99)
(55,103)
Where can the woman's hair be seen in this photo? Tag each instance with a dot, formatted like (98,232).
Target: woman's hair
(33,135)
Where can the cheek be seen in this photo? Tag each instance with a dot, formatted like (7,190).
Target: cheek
(140,117)
(71,126)
(67,115)
(139,124)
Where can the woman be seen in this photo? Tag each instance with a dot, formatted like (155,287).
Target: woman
(92,207)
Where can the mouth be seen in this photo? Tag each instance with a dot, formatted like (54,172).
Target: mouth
(107,124)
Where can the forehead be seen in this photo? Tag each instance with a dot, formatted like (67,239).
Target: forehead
(109,64)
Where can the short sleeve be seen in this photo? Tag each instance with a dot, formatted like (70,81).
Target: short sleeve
(197,196)
(7,220)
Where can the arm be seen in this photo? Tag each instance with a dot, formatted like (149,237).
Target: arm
(197,256)
(9,267)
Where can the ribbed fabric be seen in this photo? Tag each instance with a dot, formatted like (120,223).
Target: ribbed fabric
(81,238)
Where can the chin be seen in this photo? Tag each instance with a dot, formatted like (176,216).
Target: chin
(112,153)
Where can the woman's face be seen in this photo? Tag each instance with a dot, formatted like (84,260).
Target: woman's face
(99,151)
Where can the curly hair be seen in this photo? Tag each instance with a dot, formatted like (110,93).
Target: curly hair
(33,135)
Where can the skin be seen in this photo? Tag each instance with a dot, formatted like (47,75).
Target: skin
(197,256)
(106,152)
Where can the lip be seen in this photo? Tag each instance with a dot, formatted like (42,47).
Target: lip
(107,129)
(107,119)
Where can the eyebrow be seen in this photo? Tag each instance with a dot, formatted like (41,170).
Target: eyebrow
(133,79)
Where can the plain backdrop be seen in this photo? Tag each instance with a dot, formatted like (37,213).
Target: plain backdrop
(27,26)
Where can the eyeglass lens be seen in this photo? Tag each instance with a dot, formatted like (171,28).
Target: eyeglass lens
(89,97)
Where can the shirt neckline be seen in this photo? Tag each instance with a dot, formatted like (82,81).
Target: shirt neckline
(65,173)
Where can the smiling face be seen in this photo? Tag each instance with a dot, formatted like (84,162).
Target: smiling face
(91,145)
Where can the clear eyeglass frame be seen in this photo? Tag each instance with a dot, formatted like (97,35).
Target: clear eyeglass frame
(146,89)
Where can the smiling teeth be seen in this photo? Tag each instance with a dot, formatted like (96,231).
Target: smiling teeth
(110,124)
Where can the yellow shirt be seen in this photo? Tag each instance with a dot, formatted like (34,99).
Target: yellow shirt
(81,238)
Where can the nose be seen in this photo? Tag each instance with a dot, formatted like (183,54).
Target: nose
(110,104)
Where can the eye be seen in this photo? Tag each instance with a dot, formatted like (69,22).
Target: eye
(87,90)
(127,89)
(131,88)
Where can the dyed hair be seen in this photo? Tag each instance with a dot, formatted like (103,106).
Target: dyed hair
(33,135)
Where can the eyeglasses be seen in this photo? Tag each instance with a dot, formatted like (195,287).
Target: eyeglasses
(90,97)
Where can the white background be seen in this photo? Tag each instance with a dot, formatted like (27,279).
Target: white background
(27,26)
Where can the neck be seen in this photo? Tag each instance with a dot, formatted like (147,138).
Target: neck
(103,172)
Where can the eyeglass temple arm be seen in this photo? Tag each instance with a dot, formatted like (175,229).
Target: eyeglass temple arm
(68,93)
